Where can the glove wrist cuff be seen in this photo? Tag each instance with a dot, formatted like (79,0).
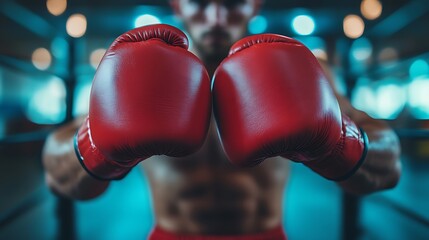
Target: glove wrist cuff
(348,155)
(92,160)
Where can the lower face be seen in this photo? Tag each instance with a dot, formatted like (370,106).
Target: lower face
(215,25)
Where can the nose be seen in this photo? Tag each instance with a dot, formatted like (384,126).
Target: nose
(216,14)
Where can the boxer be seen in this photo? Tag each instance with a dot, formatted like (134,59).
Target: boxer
(220,175)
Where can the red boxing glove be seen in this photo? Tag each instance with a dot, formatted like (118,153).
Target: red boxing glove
(271,98)
(150,96)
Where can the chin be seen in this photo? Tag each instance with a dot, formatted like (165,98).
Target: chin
(216,51)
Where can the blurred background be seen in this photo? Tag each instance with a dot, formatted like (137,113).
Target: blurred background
(49,50)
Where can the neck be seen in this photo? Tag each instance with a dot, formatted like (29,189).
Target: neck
(211,66)
(211,62)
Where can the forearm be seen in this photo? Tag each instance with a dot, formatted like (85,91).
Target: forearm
(381,168)
(63,172)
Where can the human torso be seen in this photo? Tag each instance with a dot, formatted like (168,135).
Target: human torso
(205,194)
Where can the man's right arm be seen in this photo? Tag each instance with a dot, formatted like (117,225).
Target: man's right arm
(63,172)
(150,96)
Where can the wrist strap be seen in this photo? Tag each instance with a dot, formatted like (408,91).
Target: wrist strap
(93,161)
(348,155)
(361,160)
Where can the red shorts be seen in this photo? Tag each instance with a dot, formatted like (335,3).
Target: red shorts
(274,234)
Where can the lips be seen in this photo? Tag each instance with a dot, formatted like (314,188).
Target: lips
(216,36)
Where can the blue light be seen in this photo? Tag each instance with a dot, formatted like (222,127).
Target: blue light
(316,44)
(361,49)
(303,25)
(419,68)
(258,24)
(418,98)
(59,48)
(47,105)
(82,93)
(384,99)
(312,42)
(391,99)
(146,19)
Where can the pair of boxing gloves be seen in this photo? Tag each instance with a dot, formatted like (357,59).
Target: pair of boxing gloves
(151,96)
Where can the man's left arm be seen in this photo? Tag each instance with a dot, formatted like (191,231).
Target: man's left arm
(381,168)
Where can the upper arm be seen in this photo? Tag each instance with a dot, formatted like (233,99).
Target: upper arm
(359,117)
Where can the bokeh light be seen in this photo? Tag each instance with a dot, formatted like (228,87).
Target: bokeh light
(82,94)
(418,92)
(56,7)
(41,58)
(384,99)
(76,25)
(320,54)
(419,68)
(96,56)
(47,105)
(361,49)
(353,26)
(388,54)
(258,24)
(303,25)
(146,19)
(59,47)
(371,9)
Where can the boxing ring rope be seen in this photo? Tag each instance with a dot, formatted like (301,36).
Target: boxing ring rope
(351,207)
(23,66)
(403,210)
(39,135)
(412,134)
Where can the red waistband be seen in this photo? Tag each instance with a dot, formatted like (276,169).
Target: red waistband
(274,234)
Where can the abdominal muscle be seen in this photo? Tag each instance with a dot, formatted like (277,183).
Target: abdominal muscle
(204,194)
